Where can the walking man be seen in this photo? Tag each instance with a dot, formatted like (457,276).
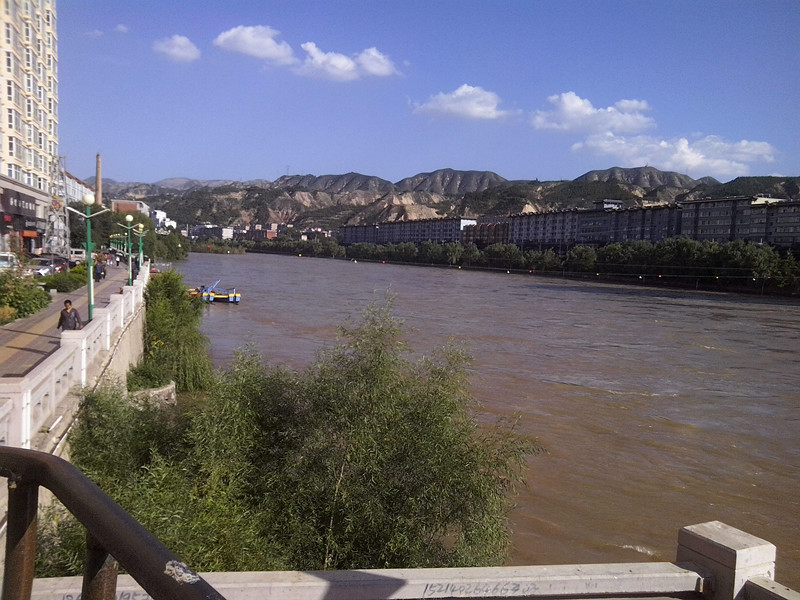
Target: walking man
(69,318)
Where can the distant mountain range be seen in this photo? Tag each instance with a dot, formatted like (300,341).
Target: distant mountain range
(329,201)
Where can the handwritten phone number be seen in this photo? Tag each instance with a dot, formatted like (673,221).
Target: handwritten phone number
(477,590)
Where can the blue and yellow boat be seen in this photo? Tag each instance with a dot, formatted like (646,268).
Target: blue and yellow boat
(214,293)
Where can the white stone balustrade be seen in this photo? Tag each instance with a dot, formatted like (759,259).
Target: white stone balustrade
(715,562)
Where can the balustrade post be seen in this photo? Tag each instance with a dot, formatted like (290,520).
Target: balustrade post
(730,555)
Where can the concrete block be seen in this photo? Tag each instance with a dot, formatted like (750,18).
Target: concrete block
(731,555)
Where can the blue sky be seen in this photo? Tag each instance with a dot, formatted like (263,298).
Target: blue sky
(248,89)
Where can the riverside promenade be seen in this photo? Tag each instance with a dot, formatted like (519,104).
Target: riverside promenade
(25,343)
(42,368)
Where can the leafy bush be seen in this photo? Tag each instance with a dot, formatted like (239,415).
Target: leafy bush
(365,460)
(175,349)
(147,374)
(7,314)
(114,445)
(80,270)
(22,294)
(66,281)
(64,539)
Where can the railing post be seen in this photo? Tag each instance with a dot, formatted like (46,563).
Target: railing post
(730,555)
(100,572)
(23,505)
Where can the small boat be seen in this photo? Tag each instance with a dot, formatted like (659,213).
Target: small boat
(214,293)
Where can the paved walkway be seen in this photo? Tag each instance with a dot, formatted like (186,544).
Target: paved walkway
(24,343)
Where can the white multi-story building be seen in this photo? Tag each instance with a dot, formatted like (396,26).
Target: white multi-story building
(161,220)
(29,165)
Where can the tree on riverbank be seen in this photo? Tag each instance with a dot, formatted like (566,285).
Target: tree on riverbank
(367,459)
(680,262)
(174,347)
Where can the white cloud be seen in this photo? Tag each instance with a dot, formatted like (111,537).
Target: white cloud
(330,65)
(121,28)
(339,67)
(708,155)
(259,41)
(177,48)
(94,33)
(374,63)
(605,128)
(467,102)
(573,113)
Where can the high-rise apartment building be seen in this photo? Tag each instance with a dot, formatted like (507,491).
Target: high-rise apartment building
(31,180)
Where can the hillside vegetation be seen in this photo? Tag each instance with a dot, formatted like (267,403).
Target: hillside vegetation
(329,201)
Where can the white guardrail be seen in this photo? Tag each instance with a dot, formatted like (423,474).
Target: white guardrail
(29,404)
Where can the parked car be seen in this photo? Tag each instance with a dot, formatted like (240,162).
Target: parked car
(38,267)
(59,262)
(77,255)
(8,260)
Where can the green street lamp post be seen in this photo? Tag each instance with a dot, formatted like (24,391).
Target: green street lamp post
(140,234)
(129,219)
(88,200)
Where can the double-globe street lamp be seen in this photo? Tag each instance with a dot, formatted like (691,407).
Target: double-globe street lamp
(88,200)
(140,234)
(129,219)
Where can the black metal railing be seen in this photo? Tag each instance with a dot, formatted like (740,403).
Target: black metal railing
(112,535)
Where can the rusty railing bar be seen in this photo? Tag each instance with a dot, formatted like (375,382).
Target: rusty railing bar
(160,573)
(99,573)
(23,508)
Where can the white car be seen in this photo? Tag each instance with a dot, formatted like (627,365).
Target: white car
(8,260)
(38,267)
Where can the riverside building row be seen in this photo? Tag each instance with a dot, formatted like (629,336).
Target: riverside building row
(756,219)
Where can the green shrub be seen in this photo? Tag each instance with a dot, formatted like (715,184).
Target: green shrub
(80,271)
(147,374)
(365,460)
(7,314)
(66,281)
(22,294)
(175,349)
(65,540)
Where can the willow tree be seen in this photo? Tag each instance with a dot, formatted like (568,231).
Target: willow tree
(174,347)
(369,458)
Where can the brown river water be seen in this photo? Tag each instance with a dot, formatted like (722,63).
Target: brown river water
(658,408)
